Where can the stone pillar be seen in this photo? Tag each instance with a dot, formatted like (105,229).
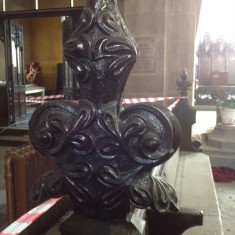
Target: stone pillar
(165,32)
(181,27)
(146,21)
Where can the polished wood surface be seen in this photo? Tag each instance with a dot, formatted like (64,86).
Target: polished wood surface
(3,106)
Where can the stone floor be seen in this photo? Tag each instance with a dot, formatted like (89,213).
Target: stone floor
(225,191)
(226,198)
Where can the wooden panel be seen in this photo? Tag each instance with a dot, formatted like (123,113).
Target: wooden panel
(47,49)
(205,71)
(54,4)
(219,64)
(22,104)
(3,106)
(219,79)
(19,105)
(13,5)
(204,54)
(16,105)
(23,166)
(231,64)
(219,56)
(216,69)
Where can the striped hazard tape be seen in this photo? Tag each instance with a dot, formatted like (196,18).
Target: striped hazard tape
(173,105)
(152,100)
(41,99)
(24,221)
(148,100)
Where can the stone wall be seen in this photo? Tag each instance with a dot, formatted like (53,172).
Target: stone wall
(165,31)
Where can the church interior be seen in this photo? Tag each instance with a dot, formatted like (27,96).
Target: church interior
(185,63)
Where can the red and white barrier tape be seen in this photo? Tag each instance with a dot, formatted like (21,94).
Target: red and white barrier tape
(150,100)
(24,221)
(173,105)
(40,99)
(34,101)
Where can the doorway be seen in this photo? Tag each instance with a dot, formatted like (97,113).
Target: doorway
(32,37)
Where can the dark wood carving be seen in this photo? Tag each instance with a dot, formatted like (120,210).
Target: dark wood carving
(184,85)
(170,223)
(186,115)
(104,153)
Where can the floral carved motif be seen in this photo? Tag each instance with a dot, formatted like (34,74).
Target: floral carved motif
(104,153)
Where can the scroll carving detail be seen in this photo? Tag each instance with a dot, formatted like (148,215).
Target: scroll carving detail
(104,153)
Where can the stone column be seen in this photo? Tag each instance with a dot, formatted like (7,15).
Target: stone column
(146,21)
(165,32)
(181,27)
